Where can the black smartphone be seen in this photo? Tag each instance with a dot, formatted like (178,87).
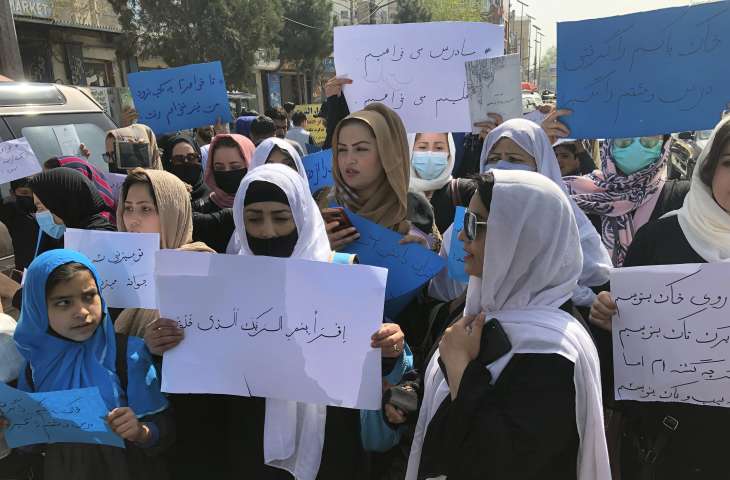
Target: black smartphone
(494,343)
(132,155)
(406,399)
(337,215)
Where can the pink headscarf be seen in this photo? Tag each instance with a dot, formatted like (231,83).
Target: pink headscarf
(246,146)
(624,202)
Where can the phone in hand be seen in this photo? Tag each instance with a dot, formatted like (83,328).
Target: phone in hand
(494,344)
(336,215)
(132,154)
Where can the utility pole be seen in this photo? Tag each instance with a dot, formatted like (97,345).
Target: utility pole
(529,49)
(11,64)
(522,24)
(537,32)
(539,55)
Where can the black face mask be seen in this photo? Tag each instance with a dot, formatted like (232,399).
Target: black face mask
(188,173)
(230,180)
(281,247)
(25,204)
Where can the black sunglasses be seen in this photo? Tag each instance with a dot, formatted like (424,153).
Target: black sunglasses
(189,158)
(471,223)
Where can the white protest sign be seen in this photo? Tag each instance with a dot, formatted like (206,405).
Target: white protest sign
(17,160)
(417,69)
(68,139)
(671,336)
(494,87)
(125,262)
(294,330)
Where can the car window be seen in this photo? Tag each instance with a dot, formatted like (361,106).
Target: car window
(46,143)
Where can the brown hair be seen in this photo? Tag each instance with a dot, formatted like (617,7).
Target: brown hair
(62,274)
(138,177)
(722,138)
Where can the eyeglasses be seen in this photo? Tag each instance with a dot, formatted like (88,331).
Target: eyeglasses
(471,223)
(648,142)
(109,157)
(189,158)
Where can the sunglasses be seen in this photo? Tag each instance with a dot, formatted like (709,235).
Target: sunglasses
(109,157)
(189,158)
(471,223)
(648,142)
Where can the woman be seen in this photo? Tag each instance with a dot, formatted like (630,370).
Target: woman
(229,158)
(182,158)
(276,216)
(432,162)
(523,145)
(371,169)
(137,133)
(698,232)
(66,336)
(480,417)
(630,190)
(154,201)
(93,174)
(276,150)
(65,198)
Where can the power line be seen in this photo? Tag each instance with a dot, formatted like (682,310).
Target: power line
(302,24)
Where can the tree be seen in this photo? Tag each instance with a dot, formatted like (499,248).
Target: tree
(455,10)
(190,31)
(413,11)
(548,59)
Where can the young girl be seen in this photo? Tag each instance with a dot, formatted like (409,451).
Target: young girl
(66,336)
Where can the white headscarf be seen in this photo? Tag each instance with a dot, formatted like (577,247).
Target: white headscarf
(420,185)
(293,431)
(262,152)
(532,139)
(705,224)
(532,263)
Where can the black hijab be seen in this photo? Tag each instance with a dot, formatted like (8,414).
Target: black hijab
(72,197)
(200,189)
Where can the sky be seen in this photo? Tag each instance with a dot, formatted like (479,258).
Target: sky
(548,12)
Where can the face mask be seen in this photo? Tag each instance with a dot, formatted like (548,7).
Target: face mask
(229,181)
(49,227)
(635,157)
(188,173)
(281,247)
(25,204)
(505,165)
(430,165)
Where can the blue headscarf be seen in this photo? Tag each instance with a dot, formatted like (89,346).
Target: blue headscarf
(61,364)
(243,125)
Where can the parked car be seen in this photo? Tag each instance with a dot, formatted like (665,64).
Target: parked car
(30,110)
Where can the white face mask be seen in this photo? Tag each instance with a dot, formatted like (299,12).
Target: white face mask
(430,165)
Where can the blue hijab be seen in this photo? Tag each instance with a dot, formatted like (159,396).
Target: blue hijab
(243,125)
(61,364)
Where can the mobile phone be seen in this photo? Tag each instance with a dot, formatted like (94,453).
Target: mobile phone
(337,215)
(494,343)
(406,399)
(131,155)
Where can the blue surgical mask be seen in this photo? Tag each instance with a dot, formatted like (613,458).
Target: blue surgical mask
(49,227)
(505,165)
(635,157)
(430,165)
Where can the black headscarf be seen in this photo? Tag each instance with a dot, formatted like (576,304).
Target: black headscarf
(200,189)
(72,197)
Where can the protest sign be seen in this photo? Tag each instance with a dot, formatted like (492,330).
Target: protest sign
(315,123)
(64,416)
(494,87)
(671,336)
(417,69)
(17,160)
(68,140)
(319,170)
(180,98)
(456,249)
(647,73)
(297,330)
(409,266)
(125,262)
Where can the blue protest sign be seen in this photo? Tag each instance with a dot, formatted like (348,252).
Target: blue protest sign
(179,98)
(409,266)
(648,73)
(456,250)
(319,169)
(68,416)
